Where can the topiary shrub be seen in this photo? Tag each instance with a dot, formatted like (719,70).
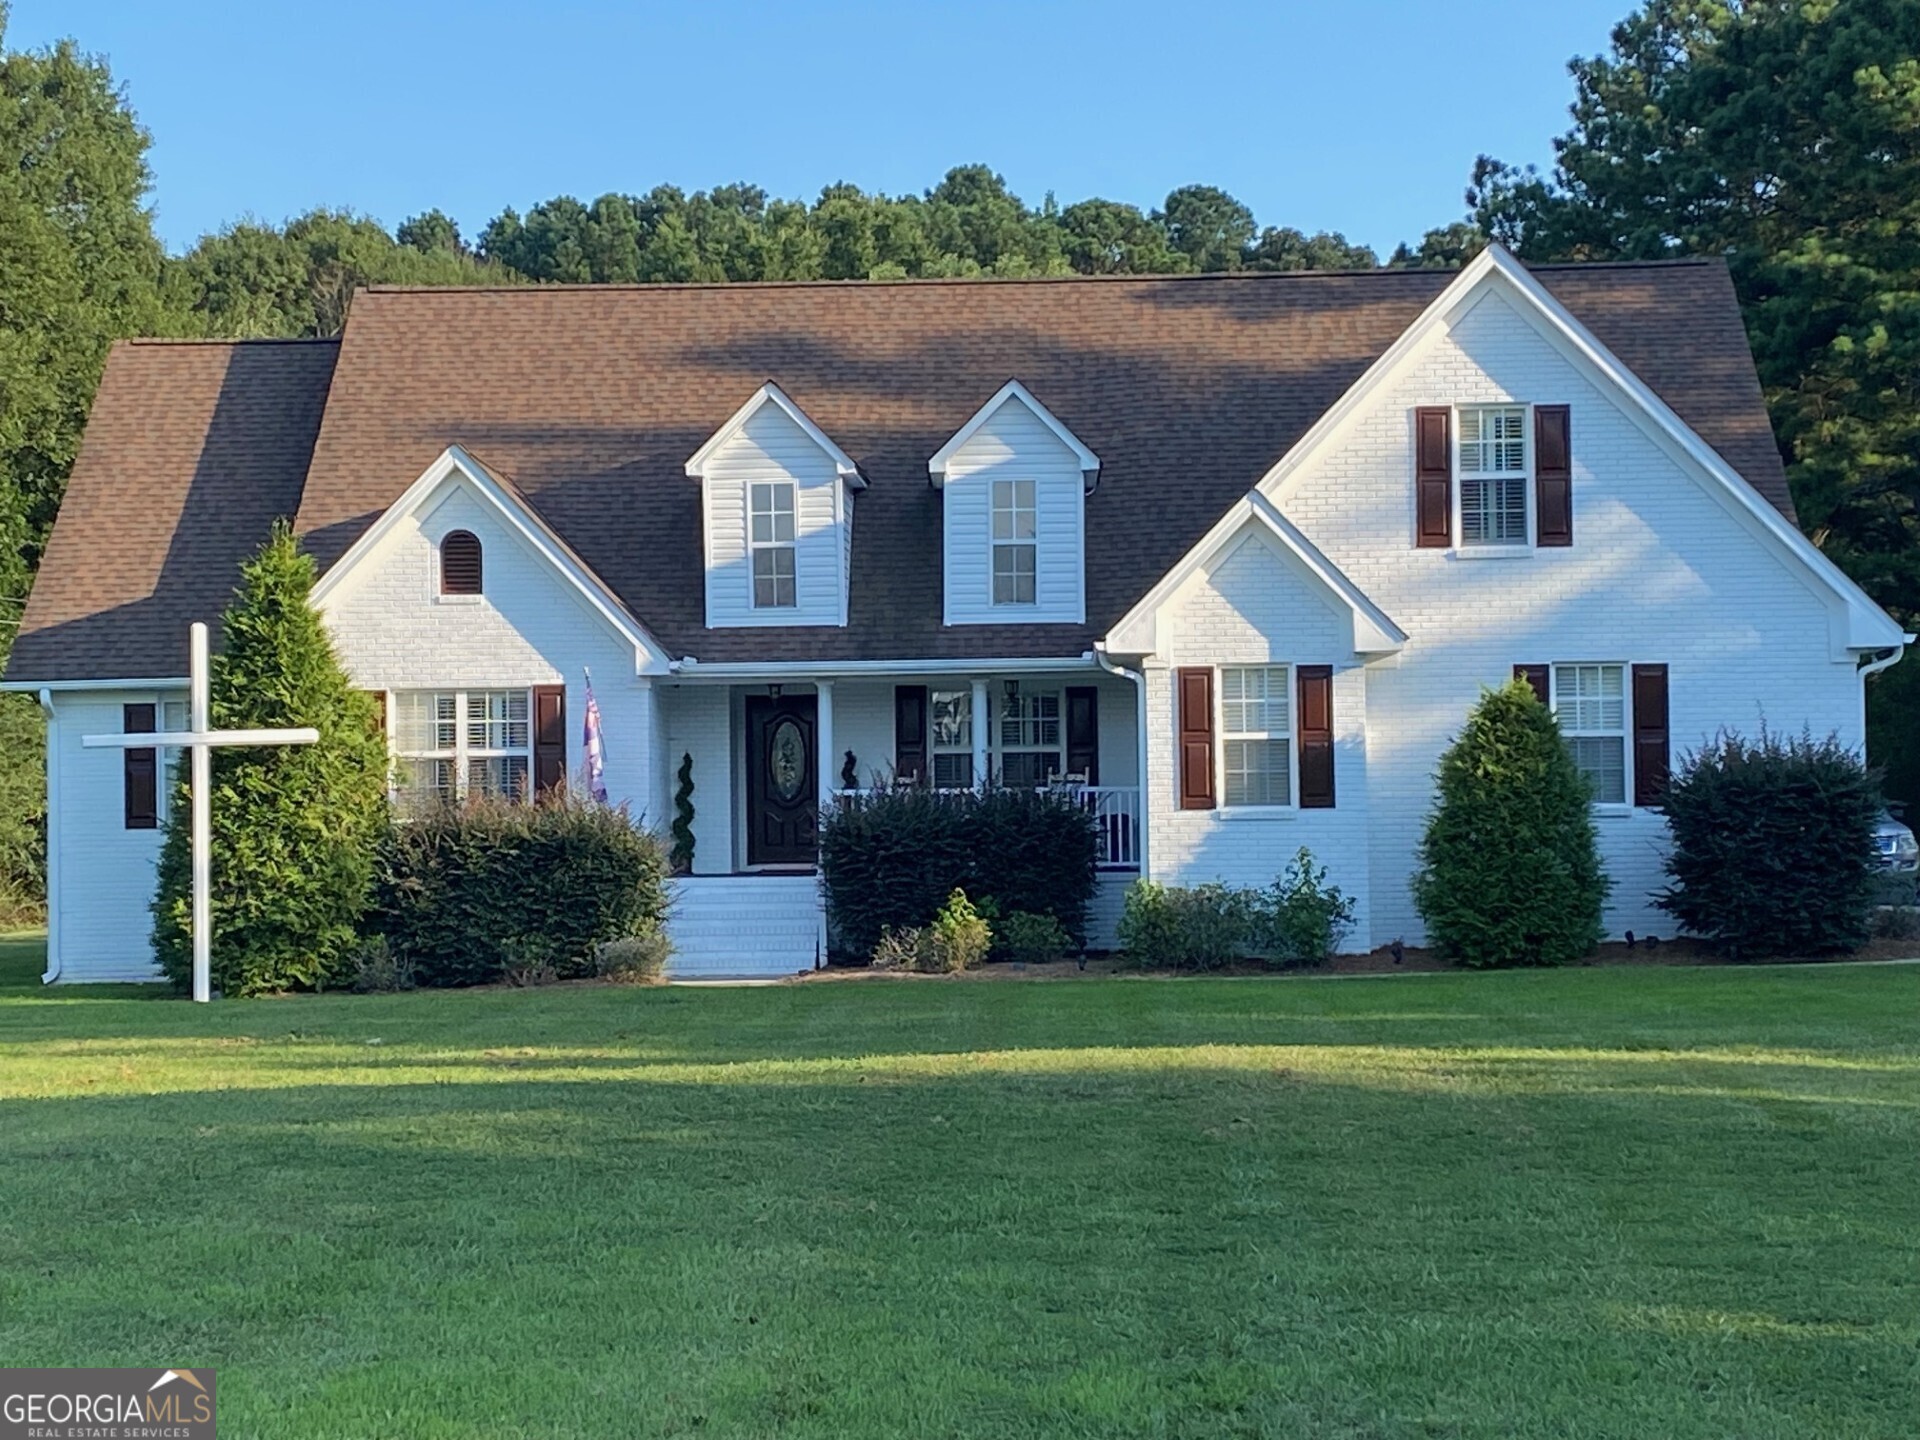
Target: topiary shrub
(889,860)
(491,890)
(295,827)
(681,859)
(1772,848)
(1510,870)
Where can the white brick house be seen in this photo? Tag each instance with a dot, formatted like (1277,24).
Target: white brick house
(1230,556)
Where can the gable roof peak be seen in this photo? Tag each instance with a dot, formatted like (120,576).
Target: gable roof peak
(772,394)
(1011,391)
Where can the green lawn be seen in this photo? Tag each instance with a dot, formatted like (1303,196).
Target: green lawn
(1600,1202)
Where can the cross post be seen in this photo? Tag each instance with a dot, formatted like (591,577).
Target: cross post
(199,740)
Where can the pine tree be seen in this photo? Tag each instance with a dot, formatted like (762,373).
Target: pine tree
(295,828)
(1510,871)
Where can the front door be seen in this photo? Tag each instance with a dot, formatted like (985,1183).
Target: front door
(783,788)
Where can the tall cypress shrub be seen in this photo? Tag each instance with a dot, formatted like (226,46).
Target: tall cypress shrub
(1510,870)
(295,828)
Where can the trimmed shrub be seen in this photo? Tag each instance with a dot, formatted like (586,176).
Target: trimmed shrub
(295,827)
(1510,870)
(1169,927)
(492,890)
(634,959)
(1029,939)
(1304,918)
(891,859)
(1772,848)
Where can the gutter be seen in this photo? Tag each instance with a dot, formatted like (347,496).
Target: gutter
(690,668)
(52,972)
(1099,657)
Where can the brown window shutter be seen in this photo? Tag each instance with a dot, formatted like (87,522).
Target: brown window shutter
(1315,730)
(1552,475)
(460,563)
(1083,732)
(1536,676)
(1433,475)
(549,738)
(910,734)
(142,770)
(1651,762)
(1194,686)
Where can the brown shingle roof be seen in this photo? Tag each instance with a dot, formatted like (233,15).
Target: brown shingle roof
(192,451)
(592,398)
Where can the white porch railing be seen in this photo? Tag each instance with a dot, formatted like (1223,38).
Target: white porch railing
(1116,812)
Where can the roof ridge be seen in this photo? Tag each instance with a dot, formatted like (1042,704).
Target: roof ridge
(1211,276)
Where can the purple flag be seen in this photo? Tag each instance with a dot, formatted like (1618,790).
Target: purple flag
(595,749)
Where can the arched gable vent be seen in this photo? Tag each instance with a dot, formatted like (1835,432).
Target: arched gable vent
(460,563)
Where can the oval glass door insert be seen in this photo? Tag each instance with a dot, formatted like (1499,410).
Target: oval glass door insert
(787,760)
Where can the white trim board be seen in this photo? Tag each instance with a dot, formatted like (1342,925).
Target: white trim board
(772,394)
(1012,390)
(456,464)
(1374,631)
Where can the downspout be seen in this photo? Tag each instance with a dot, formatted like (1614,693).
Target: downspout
(1874,667)
(52,972)
(1139,680)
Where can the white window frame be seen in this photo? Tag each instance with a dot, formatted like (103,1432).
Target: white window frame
(1461,475)
(1284,737)
(1013,540)
(462,751)
(937,747)
(168,715)
(999,749)
(774,543)
(1624,805)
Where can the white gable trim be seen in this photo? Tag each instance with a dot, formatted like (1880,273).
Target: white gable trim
(1867,626)
(455,463)
(772,394)
(1374,632)
(1012,390)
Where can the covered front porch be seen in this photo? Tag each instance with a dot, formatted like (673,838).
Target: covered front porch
(768,750)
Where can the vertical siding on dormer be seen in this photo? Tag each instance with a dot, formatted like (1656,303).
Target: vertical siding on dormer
(1015,445)
(771,447)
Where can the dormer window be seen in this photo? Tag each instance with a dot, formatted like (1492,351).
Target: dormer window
(460,572)
(1015,549)
(776,508)
(1014,485)
(771,540)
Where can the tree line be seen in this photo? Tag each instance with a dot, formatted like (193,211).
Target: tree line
(1782,135)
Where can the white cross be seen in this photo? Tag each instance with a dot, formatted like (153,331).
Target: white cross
(199,738)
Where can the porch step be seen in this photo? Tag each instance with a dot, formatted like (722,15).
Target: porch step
(744,925)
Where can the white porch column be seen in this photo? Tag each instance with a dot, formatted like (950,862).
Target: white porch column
(981,720)
(829,761)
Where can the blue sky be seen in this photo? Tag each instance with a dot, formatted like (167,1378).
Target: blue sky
(1359,118)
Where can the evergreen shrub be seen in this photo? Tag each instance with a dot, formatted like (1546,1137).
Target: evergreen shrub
(1510,869)
(494,890)
(890,860)
(1772,849)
